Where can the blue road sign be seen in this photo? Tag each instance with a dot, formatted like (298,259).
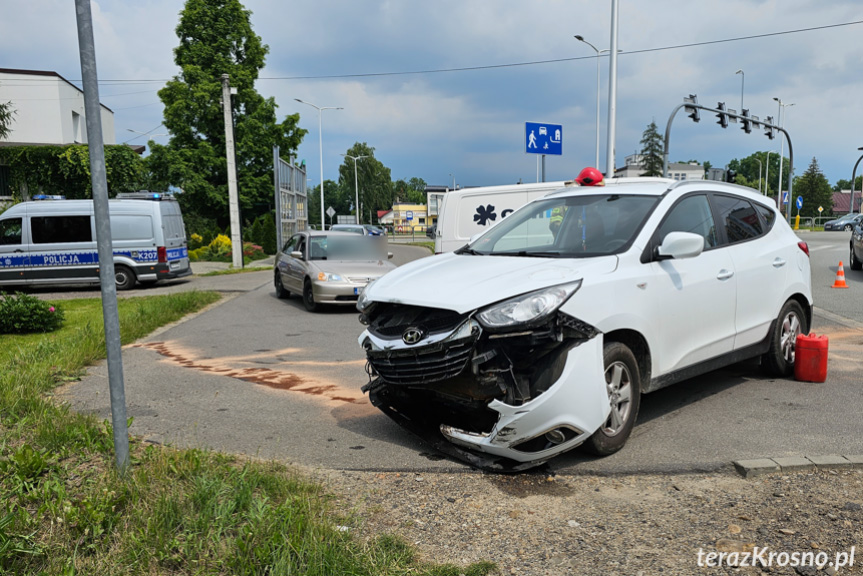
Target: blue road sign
(543,138)
(799,202)
(785,197)
(409,215)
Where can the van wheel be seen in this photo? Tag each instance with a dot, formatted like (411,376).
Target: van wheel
(309,297)
(124,278)
(623,383)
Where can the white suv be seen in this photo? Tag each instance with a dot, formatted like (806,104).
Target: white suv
(542,333)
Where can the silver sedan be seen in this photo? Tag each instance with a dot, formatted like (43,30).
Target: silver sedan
(329,267)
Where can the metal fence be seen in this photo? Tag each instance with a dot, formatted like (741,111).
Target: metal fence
(291,200)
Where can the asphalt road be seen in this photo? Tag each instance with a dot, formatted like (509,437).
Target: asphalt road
(261,376)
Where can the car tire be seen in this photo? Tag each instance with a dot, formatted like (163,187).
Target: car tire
(623,382)
(779,359)
(124,278)
(853,262)
(281,292)
(309,297)
(847,228)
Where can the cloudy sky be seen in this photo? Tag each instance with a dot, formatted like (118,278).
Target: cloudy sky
(393,65)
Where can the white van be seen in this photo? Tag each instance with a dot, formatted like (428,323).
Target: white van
(54,241)
(467,212)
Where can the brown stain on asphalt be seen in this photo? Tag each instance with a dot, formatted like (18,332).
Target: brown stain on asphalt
(263,376)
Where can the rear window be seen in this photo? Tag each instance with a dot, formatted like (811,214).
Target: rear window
(61,229)
(126,227)
(739,217)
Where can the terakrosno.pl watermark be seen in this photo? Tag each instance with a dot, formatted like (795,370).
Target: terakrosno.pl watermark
(762,557)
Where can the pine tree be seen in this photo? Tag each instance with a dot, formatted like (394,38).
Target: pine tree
(815,190)
(652,151)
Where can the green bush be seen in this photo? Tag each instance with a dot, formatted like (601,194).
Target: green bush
(21,313)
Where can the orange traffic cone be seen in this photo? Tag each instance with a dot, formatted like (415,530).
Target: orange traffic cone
(840,277)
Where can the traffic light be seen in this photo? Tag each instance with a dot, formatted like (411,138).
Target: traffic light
(730,176)
(691,110)
(722,115)
(747,121)
(769,130)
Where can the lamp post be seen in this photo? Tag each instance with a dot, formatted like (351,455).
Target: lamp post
(149,136)
(356,186)
(742,82)
(759,174)
(580,38)
(453,181)
(782,157)
(853,178)
(612,90)
(767,174)
(320,110)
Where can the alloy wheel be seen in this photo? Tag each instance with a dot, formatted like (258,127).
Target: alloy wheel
(618,381)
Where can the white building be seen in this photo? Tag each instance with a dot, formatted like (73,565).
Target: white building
(48,109)
(676,170)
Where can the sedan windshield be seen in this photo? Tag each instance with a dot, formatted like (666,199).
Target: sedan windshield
(346,248)
(568,227)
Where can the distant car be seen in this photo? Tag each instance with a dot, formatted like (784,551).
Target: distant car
(328,267)
(364,229)
(542,333)
(845,223)
(855,258)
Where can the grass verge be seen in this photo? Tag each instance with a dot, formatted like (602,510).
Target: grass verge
(236,271)
(64,511)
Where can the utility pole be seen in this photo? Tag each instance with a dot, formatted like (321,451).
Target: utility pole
(612,90)
(99,179)
(233,195)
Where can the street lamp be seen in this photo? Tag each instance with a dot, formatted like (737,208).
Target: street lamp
(759,174)
(580,38)
(453,181)
(767,174)
(782,157)
(320,110)
(150,136)
(853,178)
(742,81)
(356,186)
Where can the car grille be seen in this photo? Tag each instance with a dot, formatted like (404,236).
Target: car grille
(359,279)
(391,320)
(422,365)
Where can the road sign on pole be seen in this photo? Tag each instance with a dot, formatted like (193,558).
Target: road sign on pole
(799,202)
(785,197)
(543,138)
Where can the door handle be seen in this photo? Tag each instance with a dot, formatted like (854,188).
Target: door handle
(724,274)
(19,251)
(778,263)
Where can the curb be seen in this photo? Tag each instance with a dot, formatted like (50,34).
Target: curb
(761,466)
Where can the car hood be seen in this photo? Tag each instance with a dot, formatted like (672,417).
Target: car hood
(372,268)
(462,282)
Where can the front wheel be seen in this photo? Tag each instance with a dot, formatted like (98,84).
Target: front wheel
(623,383)
(847,228)
(853,261)
(281,291)
(309,297)
(779,359)
(123,277)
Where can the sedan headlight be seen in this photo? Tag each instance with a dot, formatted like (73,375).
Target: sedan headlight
(527,308)
(327,277)
(364,302)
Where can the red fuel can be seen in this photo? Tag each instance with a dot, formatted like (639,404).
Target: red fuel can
(810,358)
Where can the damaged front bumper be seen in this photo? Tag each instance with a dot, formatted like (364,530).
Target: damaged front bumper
(499,401)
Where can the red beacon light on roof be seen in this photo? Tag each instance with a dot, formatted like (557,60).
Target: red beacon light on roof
(590,177)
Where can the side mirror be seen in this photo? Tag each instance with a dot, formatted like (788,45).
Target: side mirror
(297,254)
(677,245)
(389,255)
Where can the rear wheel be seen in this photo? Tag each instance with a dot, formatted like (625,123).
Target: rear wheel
(309,297)
(779,359)
(847,228)
(281,292)
(853,261)
(623,383)
(123,277)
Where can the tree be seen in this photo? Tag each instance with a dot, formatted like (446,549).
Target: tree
(6,114)
(815,190)
(373,178)
(216,38)
(844,184)
(412,190)
(651,151)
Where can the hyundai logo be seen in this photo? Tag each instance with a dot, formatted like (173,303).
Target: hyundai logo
(413,334)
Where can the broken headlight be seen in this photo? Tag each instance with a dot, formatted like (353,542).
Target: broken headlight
(364,302)
(527,309)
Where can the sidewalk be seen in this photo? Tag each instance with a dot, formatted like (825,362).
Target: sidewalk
(204,267)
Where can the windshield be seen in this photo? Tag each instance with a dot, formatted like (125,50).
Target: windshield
(345,248)
(568,227)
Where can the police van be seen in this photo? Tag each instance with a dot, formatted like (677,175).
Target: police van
(53,241)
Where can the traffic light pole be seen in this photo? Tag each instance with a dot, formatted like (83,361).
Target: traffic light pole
(748,123)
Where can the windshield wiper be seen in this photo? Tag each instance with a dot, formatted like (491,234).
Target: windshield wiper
(538,254)
(468,250)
